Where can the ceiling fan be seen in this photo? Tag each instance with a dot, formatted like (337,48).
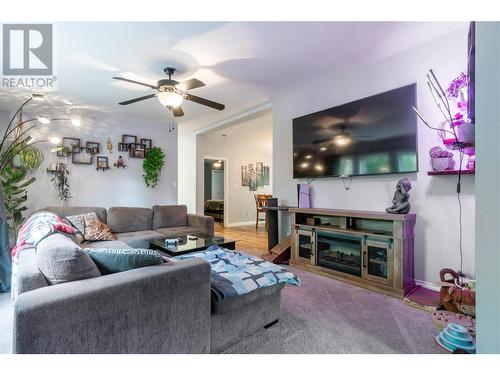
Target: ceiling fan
(172,93)
(343,138)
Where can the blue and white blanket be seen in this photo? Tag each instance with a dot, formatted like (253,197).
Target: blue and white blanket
(235,273)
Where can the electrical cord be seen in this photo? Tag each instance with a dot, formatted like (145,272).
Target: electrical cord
(460,231)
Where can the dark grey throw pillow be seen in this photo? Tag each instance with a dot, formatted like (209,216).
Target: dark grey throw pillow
(119,260)
(61,260)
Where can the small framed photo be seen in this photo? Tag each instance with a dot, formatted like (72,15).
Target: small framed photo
(92,147)
(128,139)
(102,163)
(68,144)
(146,143)
(78,156)
(122,147)
(137,153)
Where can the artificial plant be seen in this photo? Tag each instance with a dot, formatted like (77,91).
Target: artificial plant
(14,185)
(61,182)
(15,142)
(153,163)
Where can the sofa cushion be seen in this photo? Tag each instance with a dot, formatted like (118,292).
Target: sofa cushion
(169,216)
(138,239)
(71,211)
(120,260)
(61,260)
(238,302)
(129,219)
(177,231)
(105,245)
(26,276)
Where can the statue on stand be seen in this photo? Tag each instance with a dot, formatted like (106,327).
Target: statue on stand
(401,199)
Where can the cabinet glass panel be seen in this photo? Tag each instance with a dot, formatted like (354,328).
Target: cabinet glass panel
(377,261)
(305,246)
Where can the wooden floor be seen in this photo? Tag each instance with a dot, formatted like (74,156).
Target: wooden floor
(249,239)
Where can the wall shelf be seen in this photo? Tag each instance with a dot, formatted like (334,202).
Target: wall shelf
(450,172)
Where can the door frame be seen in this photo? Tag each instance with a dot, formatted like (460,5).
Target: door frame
(226,183)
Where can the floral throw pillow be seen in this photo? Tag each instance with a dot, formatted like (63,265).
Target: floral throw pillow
(96,230)
(78,222)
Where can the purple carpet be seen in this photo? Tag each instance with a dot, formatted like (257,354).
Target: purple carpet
(328,316)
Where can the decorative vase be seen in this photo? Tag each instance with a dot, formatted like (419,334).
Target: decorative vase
(5,259)
(466,132)
(442,164)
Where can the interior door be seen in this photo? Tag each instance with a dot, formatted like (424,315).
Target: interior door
(218,185)
(378,260)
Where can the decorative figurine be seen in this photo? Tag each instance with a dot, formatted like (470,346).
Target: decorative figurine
(400,202)
(109,145)
(120,163)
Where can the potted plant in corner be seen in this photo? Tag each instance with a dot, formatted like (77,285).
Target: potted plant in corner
(441,159)
(152,166)
(457,93)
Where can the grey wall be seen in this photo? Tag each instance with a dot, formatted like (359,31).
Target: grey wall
(113,187)
(433,199)
(247,141)
(488,186)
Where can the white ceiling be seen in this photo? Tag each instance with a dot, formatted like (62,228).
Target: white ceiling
(241,63)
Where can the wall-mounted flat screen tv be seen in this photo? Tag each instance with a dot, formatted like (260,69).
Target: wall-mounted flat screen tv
(370,136)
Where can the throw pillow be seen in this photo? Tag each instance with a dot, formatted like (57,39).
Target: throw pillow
(119,260)
(96,230)
(61,260)
(78,222)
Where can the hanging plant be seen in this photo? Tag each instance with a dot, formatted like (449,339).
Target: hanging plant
(153,163)
(61,182)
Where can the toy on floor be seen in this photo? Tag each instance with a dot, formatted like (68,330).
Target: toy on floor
(456,295)
(456,339)
(441,318)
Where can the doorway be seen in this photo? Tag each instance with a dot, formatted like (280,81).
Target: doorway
(214,188)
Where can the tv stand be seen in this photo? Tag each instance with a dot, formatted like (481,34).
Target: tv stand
(373,250)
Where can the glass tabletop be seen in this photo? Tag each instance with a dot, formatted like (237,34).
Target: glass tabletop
(190,242)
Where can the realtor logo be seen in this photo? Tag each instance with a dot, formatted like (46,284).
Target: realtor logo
(27,50)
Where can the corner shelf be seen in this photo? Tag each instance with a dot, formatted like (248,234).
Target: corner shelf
(450,172)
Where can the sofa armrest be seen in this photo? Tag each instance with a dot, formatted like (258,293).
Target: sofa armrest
(206,223)
(157,309)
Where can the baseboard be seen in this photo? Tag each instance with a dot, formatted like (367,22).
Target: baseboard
(428,285)
(240,224)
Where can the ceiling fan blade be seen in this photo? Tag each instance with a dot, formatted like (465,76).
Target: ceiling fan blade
(177,111)
(136,82)
(137,99)
(190,84)
(206,102)
(321,141)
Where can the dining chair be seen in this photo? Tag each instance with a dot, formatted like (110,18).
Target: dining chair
(261,204)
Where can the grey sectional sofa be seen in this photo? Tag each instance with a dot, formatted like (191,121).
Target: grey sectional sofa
(159,309)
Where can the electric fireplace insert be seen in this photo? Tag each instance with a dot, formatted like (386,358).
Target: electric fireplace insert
(339,252)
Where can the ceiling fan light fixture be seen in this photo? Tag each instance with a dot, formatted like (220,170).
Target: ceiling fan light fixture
(170,99)
(342,139)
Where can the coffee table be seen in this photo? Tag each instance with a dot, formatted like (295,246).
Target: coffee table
(191,243)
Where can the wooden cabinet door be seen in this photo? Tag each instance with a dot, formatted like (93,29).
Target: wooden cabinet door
(304,247)
(378,261)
